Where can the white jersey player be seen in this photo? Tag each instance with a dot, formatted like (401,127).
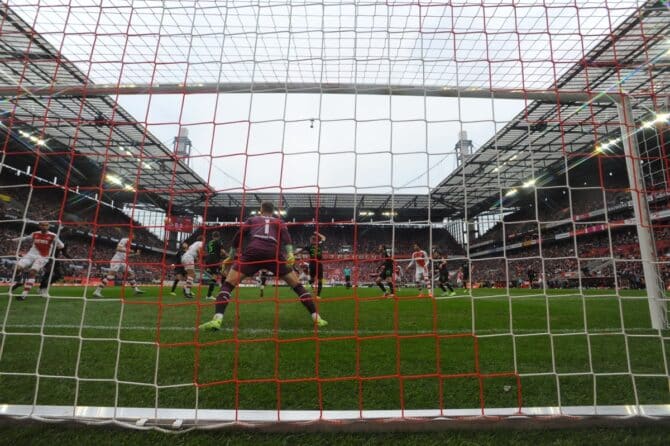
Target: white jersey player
(188,260)
(420,261)
(44,243)
(118,265)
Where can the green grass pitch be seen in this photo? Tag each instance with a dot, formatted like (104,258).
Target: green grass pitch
(490,349)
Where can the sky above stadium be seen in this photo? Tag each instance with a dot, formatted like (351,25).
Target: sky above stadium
(338,142)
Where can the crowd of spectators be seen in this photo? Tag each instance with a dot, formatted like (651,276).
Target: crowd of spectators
(597,256)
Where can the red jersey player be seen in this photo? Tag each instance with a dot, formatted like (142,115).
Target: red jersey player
(44,242)
(420,261)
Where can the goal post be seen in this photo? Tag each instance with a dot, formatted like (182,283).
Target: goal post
(523,146)
(653,281)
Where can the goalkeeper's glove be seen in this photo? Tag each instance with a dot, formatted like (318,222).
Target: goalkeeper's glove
(290,258)
(230,258)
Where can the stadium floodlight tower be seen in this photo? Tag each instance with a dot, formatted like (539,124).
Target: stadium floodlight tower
(464,148)
(182,145)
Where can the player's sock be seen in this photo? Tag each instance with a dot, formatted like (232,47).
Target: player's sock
(451,288)
(27,286)
(382,287)
(442,287)
(223,298)
(305,298)
(319,288)
(262,290)
(104,282)
(174,285)
(188,285)
(391,287)
(210,290)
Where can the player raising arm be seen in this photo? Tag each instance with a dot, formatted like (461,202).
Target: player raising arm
(266,234)
(315,250)
(118,265)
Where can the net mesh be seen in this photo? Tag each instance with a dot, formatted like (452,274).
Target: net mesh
(509,159)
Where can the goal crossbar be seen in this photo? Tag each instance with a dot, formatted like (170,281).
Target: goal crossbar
(83,90)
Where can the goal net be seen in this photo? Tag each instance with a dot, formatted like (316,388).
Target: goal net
(476,196)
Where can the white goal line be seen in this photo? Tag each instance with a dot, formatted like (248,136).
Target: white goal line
(482,332)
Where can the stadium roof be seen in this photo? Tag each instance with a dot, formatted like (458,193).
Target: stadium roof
(340,207)
(536,142)
(95,127)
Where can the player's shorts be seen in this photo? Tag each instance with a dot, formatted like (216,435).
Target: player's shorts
(256,258)
(179,269)
(420,273)
(32,261)
(119,266)
(303,277)
(444,277)
(188,261)
(385,273)
(214,270)
(347,278)
(263,280)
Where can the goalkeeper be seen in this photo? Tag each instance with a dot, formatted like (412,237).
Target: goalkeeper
(265,234)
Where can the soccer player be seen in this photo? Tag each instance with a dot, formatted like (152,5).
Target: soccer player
(385,271)
(188,262)
(347,276)
(420,261)
(465,270)
(50,276)
(315,257)
(179,271)
(262,279)
(443,274)
(119,265)
(531,277)
(44,242)
(215,255)
(398,275)
(266,233)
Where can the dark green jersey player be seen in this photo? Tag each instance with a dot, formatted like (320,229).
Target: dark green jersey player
(215,255)
(442,273)
(385,270)
(315,250)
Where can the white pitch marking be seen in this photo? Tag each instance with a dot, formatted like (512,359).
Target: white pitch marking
(326,331)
